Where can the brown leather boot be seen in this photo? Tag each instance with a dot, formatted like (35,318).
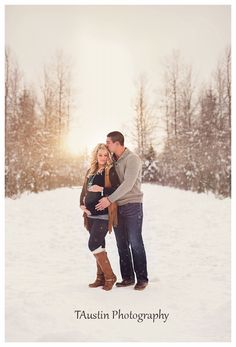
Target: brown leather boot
(100,280)
(110,277)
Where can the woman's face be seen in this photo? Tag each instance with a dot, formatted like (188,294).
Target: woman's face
(102,157)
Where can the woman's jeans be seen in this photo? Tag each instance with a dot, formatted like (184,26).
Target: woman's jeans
(129,234)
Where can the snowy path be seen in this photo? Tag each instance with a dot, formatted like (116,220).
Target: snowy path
(48,267)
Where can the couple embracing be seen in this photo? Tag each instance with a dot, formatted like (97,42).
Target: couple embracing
(111,197)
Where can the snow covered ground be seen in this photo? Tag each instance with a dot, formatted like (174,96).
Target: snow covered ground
(48,268)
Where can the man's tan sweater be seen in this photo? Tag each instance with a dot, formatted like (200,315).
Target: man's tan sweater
(129,170)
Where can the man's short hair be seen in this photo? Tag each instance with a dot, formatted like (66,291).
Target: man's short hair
(117,136)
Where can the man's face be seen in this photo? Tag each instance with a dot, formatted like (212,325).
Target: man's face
(111,145)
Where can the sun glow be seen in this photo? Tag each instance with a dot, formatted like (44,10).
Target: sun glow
(72,143)
(80,142)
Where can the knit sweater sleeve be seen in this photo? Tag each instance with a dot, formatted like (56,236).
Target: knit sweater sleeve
(132,171)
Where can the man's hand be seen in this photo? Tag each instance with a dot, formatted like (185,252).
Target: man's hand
(103,203)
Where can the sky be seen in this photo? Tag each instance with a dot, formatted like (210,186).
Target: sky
(109,47)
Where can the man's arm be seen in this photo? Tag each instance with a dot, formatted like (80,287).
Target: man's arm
(133,166)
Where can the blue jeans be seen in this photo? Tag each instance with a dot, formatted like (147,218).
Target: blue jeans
(129,235)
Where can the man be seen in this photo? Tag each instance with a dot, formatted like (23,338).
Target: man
(130,213)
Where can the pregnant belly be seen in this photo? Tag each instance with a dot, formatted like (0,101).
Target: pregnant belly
(92,199)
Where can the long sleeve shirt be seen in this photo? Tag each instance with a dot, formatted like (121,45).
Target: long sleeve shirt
(129,170)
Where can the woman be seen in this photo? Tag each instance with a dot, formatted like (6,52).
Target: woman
(101,179)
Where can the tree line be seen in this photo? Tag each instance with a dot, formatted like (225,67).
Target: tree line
(197,129)
(36,123)
(192,123)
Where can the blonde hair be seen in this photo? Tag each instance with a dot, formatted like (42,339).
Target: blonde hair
(94,162)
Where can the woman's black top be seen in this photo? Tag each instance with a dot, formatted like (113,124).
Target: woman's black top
(92,198)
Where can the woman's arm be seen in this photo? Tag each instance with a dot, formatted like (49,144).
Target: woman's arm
(84,189)
(83,208)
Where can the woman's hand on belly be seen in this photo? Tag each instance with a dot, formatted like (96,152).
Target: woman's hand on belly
(95,188)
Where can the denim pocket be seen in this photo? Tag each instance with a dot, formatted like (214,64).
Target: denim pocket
(132,209)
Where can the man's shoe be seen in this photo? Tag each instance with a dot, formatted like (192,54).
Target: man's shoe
(125,283)
(140,285)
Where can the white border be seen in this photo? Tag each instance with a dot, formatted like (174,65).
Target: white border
(2,175)
(2,211)
(118,2)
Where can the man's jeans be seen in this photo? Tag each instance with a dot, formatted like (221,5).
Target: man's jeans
(129,233)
